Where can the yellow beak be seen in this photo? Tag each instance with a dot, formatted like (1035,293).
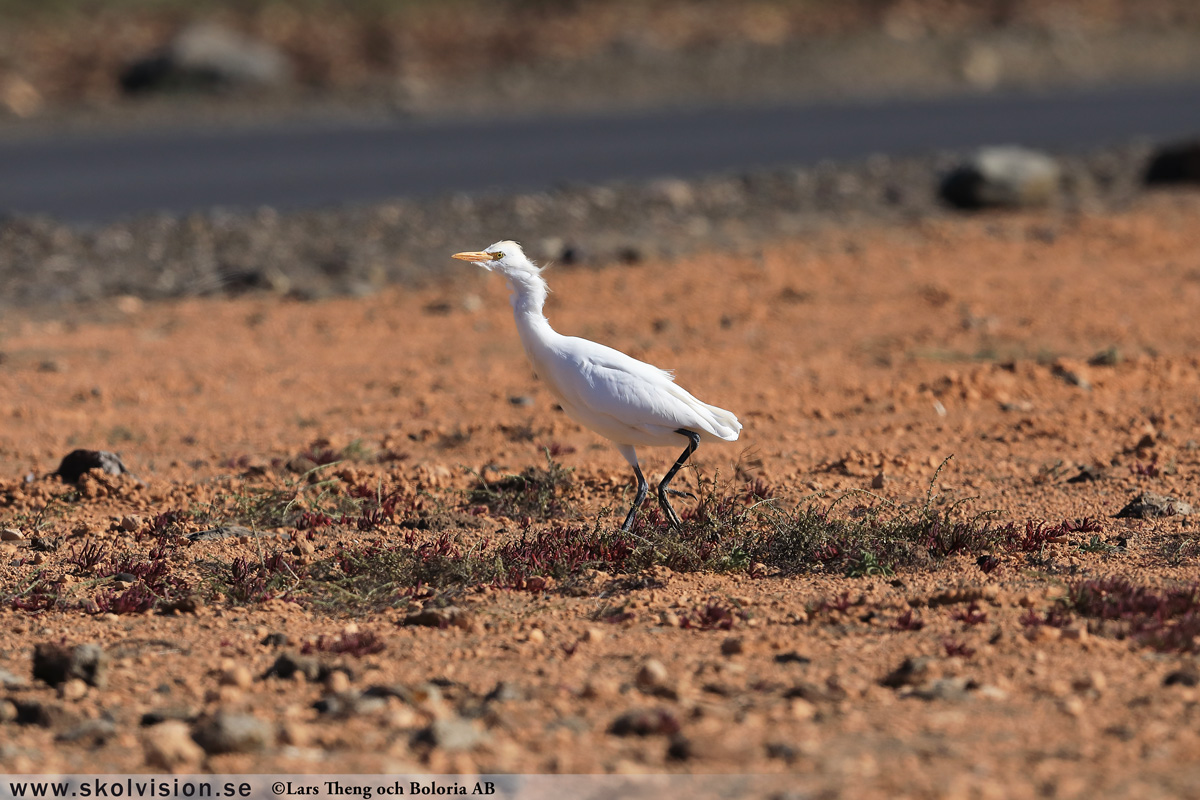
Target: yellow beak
(478,256)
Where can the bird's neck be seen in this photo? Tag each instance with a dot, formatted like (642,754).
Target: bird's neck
(528,297)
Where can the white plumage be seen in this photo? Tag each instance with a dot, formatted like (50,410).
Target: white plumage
(624,400)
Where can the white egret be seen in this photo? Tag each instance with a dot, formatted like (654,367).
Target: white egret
(624,400)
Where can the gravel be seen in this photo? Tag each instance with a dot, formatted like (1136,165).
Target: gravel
(315,254)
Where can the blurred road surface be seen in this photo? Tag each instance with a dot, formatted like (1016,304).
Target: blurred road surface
(99,178)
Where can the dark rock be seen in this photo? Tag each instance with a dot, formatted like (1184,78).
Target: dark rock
(1177,163)
(228,732)
(680,749)
(208,57)
(288,664)
(78,462)
(815,692)
(448,617)
(42,715)
(55,664)
(782,751)
(166,714)
(188,604)
(1182,677)
(222,532)
(1002,177)
(645,722)
(276,640)
(1149,505)
(911,672)
(792,657)
(1088,473)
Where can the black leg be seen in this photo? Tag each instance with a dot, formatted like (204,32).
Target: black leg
(643,487)
(693,443)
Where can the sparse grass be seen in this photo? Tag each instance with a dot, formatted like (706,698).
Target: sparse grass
(379,560)
(535,494)
(1166,619)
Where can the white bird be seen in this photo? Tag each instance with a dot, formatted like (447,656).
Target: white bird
(624,400)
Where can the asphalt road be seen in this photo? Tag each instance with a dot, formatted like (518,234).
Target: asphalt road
(102,177)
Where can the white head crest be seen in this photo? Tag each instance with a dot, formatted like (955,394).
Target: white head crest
(505,257)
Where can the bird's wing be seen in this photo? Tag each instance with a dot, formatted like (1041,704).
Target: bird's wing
(634,393)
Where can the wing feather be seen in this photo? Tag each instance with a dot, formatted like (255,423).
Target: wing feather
(633,393)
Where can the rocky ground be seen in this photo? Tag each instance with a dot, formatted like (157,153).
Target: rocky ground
(322,557)
(350,532)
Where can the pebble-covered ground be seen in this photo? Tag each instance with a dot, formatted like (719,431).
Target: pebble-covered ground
(317,254)
(320,560)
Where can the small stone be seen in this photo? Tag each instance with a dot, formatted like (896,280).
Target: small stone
(287,665)
(73,689)
(878,481)
(1012,177)
(1087,474)
(1076,633)
(652,675)
(337,682)
(205,56)
(592,635)
(160,715)
(733,646)
(950,689)
(237,676)
(536,636)
(275,640)
(78,462)
(1149,505)
(504,692)
(229,732)
(343,705)
(1092,682)
(130,523)
(55,664)
(1175,163)
(448,617)
(681,748)
(188,604)
(452,734)
(294,733)
(792,657)
(92,732)
(1046,633)
(11,535)
(801,709)
(169,746)
(645,722)
(10,681)
(911,672)
(1182,677)
(43,715)
(1072,706)
(600,689)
